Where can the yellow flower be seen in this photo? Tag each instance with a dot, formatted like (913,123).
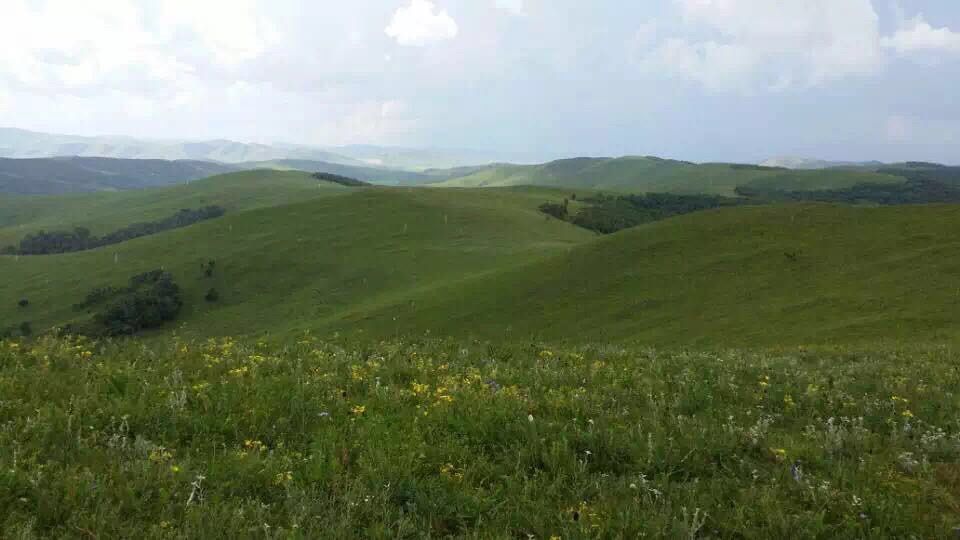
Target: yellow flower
(358,409)
(450,471)
(283,478)
(240,371)
(907,414)
(788,401)
(174,469)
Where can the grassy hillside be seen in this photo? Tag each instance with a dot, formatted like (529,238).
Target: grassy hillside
(742,276)
(104,212)
(49,176)
(486,263)
(648,174)
(305,264)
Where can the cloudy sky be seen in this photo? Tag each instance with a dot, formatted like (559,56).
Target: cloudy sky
(694,79)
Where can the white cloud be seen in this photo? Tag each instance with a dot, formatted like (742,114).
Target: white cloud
(64,46)
(514,7)
(755,45)
(421,23)
(916,35)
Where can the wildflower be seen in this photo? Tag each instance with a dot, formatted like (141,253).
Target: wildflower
(240,371)
(418,388)
(283,478)
(788,402)
(358,409)
(448,470)
(174,469)
(160,454)
(530,418)
(780,454)
(907,414)
(254,445)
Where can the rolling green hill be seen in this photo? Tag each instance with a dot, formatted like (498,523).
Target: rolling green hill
(105,211)
(304,264)
(486,263)
(650,174)
(742,276)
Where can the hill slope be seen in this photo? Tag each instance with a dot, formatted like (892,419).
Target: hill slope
(104,212)
(742,276)
(649,174)
(47,176)
(289,267)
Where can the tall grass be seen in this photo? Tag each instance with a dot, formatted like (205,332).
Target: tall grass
(438,438)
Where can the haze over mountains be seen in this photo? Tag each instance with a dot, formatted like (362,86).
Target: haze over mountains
(19,143)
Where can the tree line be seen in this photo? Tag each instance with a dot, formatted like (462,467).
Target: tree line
(80,239)
(342,180)
(608,214)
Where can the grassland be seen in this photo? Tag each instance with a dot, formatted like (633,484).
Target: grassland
(648,174)
(587,389)
(381,262)
(106,211)
(315,439)
(300,265)
(746,276)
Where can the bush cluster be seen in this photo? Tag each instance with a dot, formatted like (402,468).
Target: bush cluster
(80,239)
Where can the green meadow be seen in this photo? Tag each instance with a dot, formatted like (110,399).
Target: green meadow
(408,362)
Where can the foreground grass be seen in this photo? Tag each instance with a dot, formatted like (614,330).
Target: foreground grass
(223,439)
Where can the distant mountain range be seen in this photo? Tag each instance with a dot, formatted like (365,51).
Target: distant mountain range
(19,143)
(75,174)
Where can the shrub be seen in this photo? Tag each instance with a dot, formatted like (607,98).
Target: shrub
(151,300)
(23,302)
(26,329)
(211,296)
(558,211)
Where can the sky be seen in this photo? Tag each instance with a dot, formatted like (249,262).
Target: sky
(704,80)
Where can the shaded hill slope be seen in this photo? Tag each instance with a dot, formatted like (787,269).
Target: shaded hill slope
(49,176)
